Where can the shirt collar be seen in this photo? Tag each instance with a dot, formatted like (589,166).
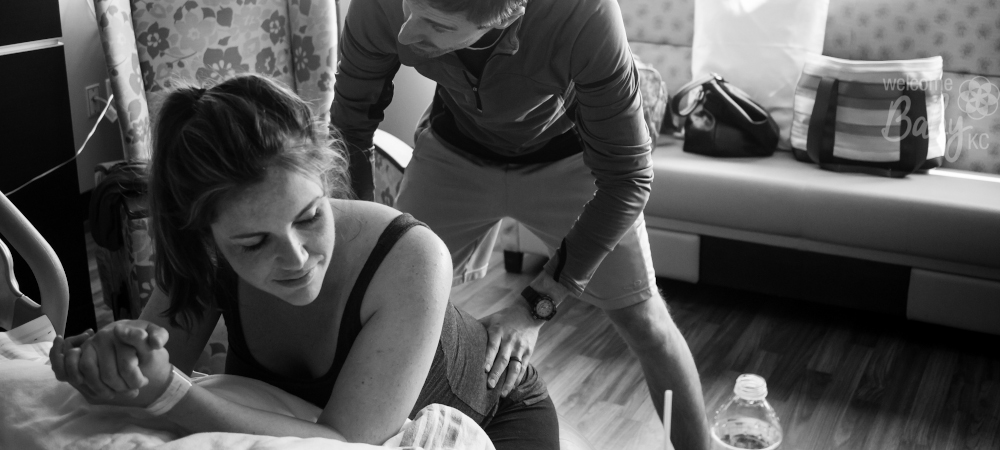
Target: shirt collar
(511,39)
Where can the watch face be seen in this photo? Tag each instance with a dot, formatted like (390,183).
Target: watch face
(545,307)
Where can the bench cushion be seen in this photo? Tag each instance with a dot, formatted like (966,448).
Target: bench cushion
(951,216)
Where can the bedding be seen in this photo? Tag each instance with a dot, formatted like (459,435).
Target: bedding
(39,412)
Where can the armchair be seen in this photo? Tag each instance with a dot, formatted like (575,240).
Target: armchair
(152,44)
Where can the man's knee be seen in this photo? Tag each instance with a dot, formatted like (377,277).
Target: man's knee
(646,323)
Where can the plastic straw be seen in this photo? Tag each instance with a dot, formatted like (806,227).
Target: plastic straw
(668,399)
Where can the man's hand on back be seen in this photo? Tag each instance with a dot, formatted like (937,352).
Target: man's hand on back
(513,333)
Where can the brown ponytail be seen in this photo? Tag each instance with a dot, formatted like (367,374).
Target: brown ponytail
(210,142)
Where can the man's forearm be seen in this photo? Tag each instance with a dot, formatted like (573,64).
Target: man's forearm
(605,219)
(360,168)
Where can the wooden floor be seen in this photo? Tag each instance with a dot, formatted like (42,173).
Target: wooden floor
(838,379)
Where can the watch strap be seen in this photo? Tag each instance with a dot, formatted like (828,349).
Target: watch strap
(531,295)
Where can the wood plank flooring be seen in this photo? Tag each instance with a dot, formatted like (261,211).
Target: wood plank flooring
(838,378)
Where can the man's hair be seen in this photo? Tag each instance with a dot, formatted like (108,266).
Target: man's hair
(210,144)
(483,13)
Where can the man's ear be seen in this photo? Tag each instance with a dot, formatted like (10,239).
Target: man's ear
(510,19)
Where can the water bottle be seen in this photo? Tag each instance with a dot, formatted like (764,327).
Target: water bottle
(747,420)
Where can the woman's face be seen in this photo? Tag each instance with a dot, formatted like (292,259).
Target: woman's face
(278,235)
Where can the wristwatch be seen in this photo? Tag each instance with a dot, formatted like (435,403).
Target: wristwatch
(543,307)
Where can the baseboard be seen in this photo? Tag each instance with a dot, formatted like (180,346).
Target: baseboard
(826,248)
(835,280)
(953,300)
(675,255)
(931,297)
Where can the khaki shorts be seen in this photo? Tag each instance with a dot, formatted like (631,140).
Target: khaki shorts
(462,197)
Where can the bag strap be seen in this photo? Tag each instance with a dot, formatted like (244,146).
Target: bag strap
(675,101)
(913,147)
(820,139)
(764,130)
(823,121)
(740,102)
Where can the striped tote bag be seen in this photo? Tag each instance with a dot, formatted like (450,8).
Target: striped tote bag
(879,117)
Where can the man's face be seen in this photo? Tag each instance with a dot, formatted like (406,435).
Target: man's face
(430,33)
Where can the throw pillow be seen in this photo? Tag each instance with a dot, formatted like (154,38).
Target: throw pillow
(654,96)
(760,46)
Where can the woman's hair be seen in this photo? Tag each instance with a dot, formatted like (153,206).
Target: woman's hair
(211,143)
(483,13)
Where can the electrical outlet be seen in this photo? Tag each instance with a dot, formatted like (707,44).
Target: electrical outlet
(92,93)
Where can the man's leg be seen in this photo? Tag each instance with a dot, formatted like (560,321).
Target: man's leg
(624,286)
(457,198)
(667,364)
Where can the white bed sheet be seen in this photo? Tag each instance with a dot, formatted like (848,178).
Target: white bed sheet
(39,412)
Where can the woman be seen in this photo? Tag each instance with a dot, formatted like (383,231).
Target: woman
(342,303)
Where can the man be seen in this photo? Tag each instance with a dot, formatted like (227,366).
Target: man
(537,102)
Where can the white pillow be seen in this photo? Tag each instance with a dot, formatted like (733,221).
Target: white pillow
(760,46)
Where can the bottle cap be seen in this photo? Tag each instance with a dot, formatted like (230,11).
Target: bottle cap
(750,387)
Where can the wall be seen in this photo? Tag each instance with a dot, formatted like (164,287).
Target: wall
(413,93)
(85,66)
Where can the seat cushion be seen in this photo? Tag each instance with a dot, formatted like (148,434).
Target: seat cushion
(947,215)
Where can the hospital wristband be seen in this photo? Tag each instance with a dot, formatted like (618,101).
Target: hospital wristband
(179,385)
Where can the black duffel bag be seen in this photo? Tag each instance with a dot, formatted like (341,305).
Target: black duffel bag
(722,120)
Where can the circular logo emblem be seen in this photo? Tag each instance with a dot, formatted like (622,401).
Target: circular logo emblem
(978,97)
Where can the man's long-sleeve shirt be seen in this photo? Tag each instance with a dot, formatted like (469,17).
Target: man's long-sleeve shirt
(564,64)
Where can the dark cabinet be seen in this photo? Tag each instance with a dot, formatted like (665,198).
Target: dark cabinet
(28,20)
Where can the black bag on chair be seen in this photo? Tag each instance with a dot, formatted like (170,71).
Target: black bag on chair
(722,120)
(119,221)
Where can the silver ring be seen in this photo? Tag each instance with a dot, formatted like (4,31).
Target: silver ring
(514,358)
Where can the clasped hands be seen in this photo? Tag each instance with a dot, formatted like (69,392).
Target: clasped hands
(513,333)
(123,364)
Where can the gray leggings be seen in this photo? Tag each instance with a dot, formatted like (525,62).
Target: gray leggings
(525,419)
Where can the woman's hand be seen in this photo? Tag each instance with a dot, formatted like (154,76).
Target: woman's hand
(124,364)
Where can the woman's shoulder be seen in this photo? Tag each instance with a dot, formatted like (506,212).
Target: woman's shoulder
(415,269)
(363,223)
(364,213)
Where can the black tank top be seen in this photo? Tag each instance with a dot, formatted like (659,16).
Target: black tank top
(456,377)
